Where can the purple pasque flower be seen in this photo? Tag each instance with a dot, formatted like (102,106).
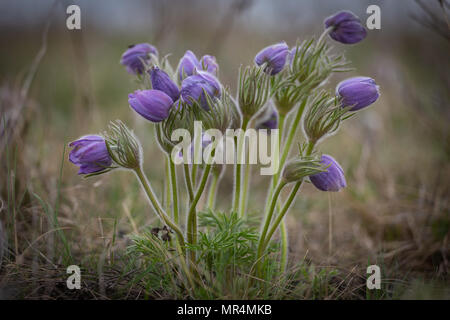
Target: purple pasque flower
(347,28)
(153,105)
(270,122)
(162,82)
(187,65)
(132,58)
(90,154)
(193,88)
(274,57)
(358,92)
(209,63)
(331,180)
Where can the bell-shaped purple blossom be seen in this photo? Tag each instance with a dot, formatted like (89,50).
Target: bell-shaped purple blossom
(193,88)
(331,180)
(153,105)
(358,92)
(347,28)
(274,57)
(270,122)
(90,154)
(187,65)
(209,63)
(162,82)
(132,58)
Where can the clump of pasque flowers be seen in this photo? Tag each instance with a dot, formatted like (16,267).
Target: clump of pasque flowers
(283,85)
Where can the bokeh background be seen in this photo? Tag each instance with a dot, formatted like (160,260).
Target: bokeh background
(57,85)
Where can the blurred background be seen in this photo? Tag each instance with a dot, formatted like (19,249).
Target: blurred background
(57,84)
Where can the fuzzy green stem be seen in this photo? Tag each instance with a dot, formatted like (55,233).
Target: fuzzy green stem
(167,183)
(282,213)
(284,236)
(192,215)
(213,190)
(287,147)
(266,225)
(238,169)
(194,175)
(243,199)
(284,246)
(173,178)
(187,179)
(156,206)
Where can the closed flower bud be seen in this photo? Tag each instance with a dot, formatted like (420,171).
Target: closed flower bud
(162,82)
(301,167)
(153,105)
(123,147)
(332,179)
(274,57)
(346,27)
(187,65)
(90,154)
(209,63)
(269,120)
(358,92)
(193,88)
(132,58)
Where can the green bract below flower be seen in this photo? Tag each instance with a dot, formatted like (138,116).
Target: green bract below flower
(122,145)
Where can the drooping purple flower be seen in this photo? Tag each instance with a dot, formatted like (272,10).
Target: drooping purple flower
(132,58)
(90,154)
(274,57)
(209,63)
(270,122)
(358,92)
(161,81)
(193,88)
(347,28)
(153,105)
(331,180)
(187,65)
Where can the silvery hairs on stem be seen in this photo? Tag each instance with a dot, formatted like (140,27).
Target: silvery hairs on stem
(324,116)
(310,65)
(123,147)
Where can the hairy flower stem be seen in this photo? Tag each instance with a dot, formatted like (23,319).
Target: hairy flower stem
(266,226)
(157,207)
(280,218)
(187,180)
(192,215)
(167,183)
(238,169)
(194,175)
(173,179)
(213,190)
(244,191)
(289,140)
(284,236)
